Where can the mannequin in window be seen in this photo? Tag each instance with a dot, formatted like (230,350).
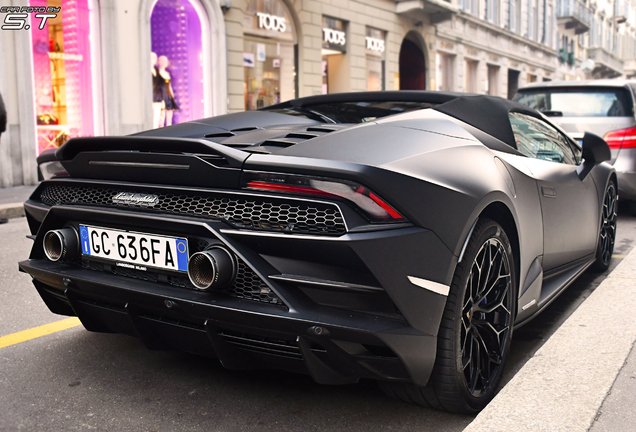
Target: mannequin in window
(166,92)
(157,98)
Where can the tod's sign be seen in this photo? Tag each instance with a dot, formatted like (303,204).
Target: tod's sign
(376,45)
(271,22)
(334,37)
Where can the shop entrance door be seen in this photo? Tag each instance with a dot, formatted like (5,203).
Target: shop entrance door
(412,67)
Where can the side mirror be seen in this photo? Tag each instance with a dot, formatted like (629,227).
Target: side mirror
(595,151)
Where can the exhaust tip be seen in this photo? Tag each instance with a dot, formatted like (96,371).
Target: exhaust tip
(212,268)
(60,244)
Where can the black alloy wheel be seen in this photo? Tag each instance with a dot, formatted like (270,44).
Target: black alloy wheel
(475,334)
(486,317)
(607,235)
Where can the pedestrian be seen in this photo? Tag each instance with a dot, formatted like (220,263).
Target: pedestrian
(3,127)
(3,116)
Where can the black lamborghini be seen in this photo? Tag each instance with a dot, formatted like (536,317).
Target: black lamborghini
(395,236)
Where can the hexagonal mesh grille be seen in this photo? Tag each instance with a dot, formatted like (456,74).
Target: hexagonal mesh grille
(248,285)
(241,212)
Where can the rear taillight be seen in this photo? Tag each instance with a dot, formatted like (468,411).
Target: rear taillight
(622,138)
(372,206)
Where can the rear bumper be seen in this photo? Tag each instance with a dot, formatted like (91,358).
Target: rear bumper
(305,332)
(241,334)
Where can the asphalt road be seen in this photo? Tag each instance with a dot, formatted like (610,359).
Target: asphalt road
(74,380)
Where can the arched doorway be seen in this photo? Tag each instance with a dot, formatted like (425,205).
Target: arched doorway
(66,73)
(412,65)
(179,29)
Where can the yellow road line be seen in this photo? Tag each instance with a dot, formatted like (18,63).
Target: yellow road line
(619,256)
(37,332)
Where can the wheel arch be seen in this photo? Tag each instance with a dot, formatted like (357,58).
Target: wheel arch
(499,212)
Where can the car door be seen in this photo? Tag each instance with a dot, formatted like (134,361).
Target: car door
(569,205)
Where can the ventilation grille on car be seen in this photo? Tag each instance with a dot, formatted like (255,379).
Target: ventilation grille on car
(262,345)
(248,285)
(254,213)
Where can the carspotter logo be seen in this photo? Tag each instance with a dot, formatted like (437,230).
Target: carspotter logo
(16,17)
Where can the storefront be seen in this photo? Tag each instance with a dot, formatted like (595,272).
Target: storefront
(269,54)
(445,71)
(179,33)
(335,68)
(93,69)
(376,64)
(66,73)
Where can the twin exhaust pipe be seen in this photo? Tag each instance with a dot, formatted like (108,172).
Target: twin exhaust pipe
(214,268)
(61,244)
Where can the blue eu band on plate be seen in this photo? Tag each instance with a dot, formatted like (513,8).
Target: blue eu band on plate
(135,250)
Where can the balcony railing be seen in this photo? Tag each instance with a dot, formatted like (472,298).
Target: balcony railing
(574,15)
(438,10)
(607,64)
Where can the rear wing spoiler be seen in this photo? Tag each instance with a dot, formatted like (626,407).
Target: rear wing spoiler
(75,146)
(155,160)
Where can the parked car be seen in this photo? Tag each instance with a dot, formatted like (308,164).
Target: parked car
(603,107)
(395,236)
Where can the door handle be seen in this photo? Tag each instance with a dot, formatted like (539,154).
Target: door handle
(548,192)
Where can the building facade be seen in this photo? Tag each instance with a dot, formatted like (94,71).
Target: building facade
(117,67)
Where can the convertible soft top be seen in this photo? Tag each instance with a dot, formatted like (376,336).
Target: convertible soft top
(487,113)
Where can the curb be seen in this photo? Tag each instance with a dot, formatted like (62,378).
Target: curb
(562,387)
(12,210)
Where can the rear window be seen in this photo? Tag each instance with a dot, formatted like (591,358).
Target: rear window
(353,112)
(579,101)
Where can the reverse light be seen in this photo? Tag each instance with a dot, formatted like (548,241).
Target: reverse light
(621,138)
(371,205)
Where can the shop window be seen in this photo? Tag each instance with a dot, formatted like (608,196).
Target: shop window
(65,73)
(177,33)
(336,68)
(444,77)
(269,55)
(375,48)
(513,82)
(493,80)
(470,84)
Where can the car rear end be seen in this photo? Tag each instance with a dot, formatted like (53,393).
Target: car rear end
(604,108)
(301,272)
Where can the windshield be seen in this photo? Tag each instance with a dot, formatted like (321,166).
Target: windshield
(353,112)
(579,101)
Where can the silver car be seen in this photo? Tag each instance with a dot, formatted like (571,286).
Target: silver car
(602,107)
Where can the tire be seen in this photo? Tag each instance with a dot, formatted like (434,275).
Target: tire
(458,383)
(632,207)
(607,232)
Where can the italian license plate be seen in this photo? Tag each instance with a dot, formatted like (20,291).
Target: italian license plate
(135,250)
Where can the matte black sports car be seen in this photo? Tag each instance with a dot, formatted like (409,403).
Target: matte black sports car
(397,236)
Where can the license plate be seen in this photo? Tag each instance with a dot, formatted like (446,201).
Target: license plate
(135,250)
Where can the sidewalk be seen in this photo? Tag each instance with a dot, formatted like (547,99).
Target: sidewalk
(617,413)
(584,376)
(11,200)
